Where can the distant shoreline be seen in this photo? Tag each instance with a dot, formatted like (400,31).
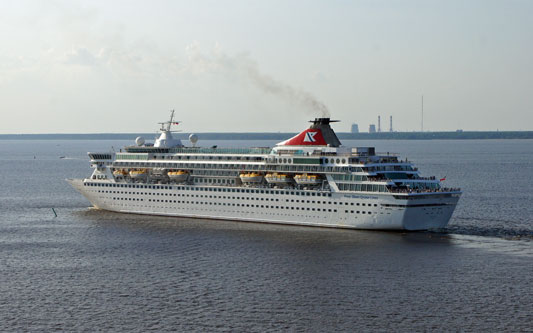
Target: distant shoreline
(478,135)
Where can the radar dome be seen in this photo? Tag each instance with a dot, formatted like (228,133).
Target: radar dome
(193,138)
(139,141)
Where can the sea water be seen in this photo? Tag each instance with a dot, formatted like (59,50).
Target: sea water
(94,270)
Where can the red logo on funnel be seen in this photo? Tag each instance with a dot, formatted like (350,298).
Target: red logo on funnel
(309,137)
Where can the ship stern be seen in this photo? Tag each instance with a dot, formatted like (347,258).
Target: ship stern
(434,214)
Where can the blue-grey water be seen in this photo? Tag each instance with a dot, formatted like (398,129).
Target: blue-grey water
(90,270)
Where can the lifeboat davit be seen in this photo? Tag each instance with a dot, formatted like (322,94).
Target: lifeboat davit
(252,177)
(178,176)
(305,179)
(278,178)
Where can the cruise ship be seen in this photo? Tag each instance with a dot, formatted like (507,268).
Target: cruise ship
(310,179)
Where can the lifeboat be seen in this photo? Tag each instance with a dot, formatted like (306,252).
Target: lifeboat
(120,173)
(178,176)
(251,177)
(305,179)
(278,178)
(138,173)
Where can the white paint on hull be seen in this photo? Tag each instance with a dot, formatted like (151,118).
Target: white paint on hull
(381,211)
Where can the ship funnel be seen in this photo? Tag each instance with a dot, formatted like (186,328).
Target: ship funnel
(318,134)
(327,132)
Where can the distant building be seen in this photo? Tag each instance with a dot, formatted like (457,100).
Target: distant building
(372,128)
(355,128)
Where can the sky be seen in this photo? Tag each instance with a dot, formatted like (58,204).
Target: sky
(264,66)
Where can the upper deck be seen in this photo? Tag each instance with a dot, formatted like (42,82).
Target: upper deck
(313,158)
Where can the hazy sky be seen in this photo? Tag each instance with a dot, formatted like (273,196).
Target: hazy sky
(119,66)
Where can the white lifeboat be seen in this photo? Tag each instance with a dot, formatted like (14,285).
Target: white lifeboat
(138,173)
(178,176)
(251,177)
(278,178)
(305,179)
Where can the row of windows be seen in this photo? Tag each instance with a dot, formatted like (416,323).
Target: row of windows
(233,204)
(193,195)
(196,180)
(331,203)
(280,160)
(231,158)
(100,156)
(362,187)
(350,177)
(240,167)
(357,212)
(392,168)
(198,150)
(210,189)
(200,157)
(213,181)
(420,186)
(398,175)
(329,210)
(146,157)
(239,198)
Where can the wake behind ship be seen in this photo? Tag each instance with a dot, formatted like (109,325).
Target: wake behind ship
(309,179)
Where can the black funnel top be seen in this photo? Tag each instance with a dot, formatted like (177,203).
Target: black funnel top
(327,132)
(322,121)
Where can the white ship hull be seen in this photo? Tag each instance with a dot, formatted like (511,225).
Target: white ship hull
(309,208)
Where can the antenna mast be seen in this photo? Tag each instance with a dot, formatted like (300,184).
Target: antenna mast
(171,118)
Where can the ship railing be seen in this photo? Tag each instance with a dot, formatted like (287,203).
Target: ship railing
(425,178)
(384,154)
(200,150)
(260,151)
(412,191)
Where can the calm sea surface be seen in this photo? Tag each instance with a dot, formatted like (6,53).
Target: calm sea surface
(90,270)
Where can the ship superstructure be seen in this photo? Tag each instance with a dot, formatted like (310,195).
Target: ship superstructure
(309,179)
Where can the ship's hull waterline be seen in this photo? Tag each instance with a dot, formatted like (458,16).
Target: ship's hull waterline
(380,212)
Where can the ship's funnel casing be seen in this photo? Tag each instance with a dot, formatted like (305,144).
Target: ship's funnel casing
(318,134)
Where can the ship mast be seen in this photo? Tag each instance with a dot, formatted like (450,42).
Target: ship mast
(168,123)
(171,118)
